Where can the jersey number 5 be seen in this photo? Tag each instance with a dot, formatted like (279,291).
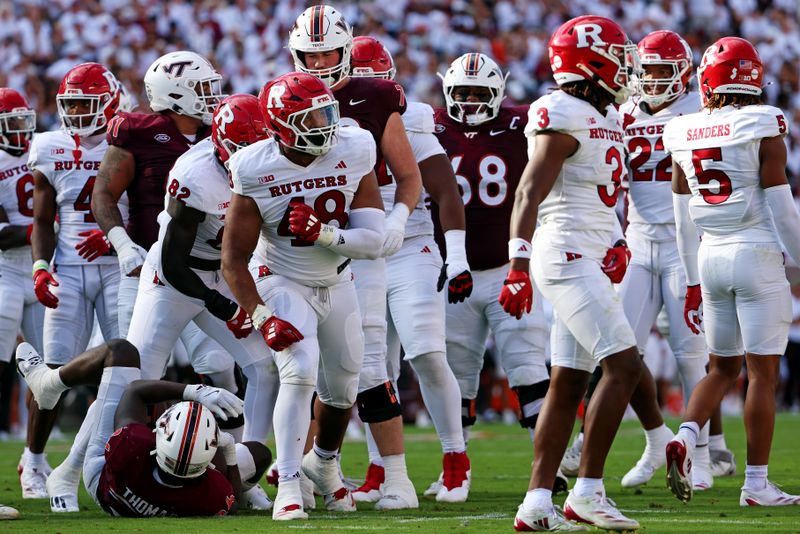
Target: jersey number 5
(706,176)
(322,207)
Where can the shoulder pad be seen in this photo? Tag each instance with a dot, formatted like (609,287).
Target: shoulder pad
(767,121)
(418,118)
(557,112)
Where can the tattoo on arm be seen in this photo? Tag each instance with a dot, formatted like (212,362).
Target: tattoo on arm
(115,175)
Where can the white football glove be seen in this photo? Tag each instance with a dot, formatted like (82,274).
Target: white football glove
(221,402)
(227,444)
(130,255)
(394,230)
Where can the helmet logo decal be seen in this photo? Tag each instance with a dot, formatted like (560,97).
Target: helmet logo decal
(188,439)
(472,64)
(317,24)
(176,69)
(734,73)
(586,32)
(276,92)
(224,117)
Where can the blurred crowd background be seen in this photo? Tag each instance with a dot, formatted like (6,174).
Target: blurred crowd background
(40,40)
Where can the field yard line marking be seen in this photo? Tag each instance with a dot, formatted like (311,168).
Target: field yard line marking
(492,515)
(716,521)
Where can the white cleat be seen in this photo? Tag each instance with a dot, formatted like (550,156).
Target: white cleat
(771,495)
(33,482)
(62,488)
(544,520)
(572,457)
(641,473)
(33,369)
(435,486)
(272,475)
(679,470)
(6,512)
(456,479)
(702,479)
(289,502)
(257,499)
(599,511)
(398,495)
(307,491)
(723,463)
(372,488)
(21,465)
(325,474)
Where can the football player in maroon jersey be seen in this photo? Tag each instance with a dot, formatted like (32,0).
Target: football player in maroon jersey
(128,469)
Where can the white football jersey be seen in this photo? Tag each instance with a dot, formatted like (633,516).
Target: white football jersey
(718,151)
(51,154)
(199,180)
(419,125)
(16,199)
(578,215)
(261,172)
(650,167)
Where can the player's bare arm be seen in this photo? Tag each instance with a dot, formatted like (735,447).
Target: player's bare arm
(368,194)
(242,228)
(440,183)
(113,178)
(541,172)
(43,237)
(11,235)
(400,157)
(772,154)
(133,406)
(680,186)
(178,240)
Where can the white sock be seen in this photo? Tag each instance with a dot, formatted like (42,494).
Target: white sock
(586,487)
(291,419)
(689,432)
(442,397)
(717,442)
(394,468)
(77,452)
(538,498)
(702,457)
(52,381)
(755,477)
(258,401)
(323,453)
(465,431)
(372,447)
(35,459)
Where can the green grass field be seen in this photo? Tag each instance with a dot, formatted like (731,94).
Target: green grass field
(501,459)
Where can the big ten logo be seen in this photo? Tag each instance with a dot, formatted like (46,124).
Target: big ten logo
(56,151)
(266,179)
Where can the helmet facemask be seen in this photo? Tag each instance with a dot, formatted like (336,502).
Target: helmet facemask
(16,129)
(660,90)
(626,58)
(472,113)
(84,123)
(209,95)
(316,129)
(331,75)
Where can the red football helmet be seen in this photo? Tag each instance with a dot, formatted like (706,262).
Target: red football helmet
(301,112)
(664,48)
(596,49)
(370,59)
(87,98)
(731,65)
(237,122)
(17,122)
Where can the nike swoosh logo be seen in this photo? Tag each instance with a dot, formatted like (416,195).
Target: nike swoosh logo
(356,102)
(493,133)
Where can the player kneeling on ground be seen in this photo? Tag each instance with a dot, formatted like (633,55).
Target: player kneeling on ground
(132,471)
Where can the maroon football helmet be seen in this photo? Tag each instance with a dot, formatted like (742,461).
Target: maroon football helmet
(87,98)
(237,122)
(17,122)
(370,59)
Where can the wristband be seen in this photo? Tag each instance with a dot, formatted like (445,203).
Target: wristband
(260,316)
(328,235)
(454,242)
(399,213)
(519,248)
(40,265)
(119,237)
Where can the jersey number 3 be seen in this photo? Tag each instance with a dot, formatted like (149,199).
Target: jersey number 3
(614,158)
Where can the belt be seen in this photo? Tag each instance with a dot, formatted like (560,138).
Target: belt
(204,265)
(342,267)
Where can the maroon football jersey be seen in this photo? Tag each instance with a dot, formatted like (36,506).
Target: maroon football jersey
(487,160)
(370,102)
(128,486)
(155,143)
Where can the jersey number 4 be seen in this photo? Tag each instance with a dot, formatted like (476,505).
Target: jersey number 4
(84,200)
(329,206)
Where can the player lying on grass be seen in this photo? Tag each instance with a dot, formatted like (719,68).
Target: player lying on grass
(134,471)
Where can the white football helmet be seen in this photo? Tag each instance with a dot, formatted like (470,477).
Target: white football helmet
(186,439)
(186,83)
(320,29)
(474,70)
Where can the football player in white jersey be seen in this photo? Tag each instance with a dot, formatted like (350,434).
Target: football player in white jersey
(64,165)
(415,305)
(729,181)
(571,182)
(655,277)
(306,201)
(181,280)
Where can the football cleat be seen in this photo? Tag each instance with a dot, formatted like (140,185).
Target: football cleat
(597,510)
(340,501)
(771,495)
(257,499)
(723,463)
(572,457)
(561,484)
(325,474)
(679,470)
(456,479)
(21,465)
(702,479)
(398,495)
(544,520)
(435,486)
(307,490)
(289,502)
(370,490)
(272,474)
(33,369)
(33,482)
(62,488)
(641,473)
(6,512)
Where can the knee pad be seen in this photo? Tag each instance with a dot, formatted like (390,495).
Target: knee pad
(531,399)
(468,417)
(378,404)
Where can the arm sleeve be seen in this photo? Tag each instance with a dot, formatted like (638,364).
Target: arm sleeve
(786,218)
(688,241)
(364,238)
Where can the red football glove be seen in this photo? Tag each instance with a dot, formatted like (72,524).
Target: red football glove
(279,334)
(303,222)
(616,261)
(94,245)
(240,325)
(517,293)
(692,311)
(459,286)
(42,280)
